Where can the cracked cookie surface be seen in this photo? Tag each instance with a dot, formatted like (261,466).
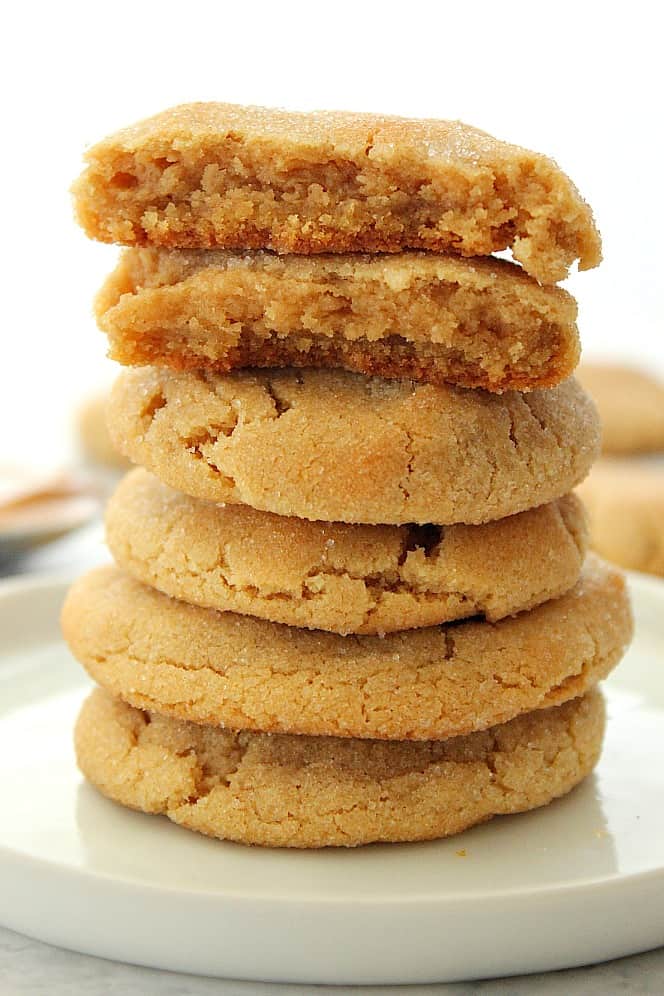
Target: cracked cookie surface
(334,446)
(223,669)
(285,791)
(206,175)
(478,323)
(339,577)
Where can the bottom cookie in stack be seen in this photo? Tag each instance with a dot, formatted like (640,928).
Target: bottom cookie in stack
(282,790)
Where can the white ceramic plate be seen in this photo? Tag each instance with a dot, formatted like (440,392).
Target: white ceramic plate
(578,882)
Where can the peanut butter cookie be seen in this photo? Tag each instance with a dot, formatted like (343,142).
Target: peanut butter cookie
(479,323)
(336,446)
(284,791)
(206,175)
(228,670)
(339,577)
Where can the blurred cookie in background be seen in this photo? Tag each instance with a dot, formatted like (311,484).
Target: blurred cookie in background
(631,407)
(625,502)
(44,502)
(93,438)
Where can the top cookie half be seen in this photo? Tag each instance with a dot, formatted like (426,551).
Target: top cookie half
(221,175)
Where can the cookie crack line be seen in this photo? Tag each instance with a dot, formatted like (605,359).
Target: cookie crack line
(547,428)
(404,482)
(281,404)
(155,403)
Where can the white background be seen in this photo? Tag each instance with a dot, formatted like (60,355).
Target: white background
(579,81)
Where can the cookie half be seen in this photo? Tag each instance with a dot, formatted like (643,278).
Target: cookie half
(339,577)
(228,670)
(631,407)
(206,175)
(625,500)
(283,791)
(336,446)
(480,323)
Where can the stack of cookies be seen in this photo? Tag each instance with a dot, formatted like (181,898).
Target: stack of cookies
(351,600)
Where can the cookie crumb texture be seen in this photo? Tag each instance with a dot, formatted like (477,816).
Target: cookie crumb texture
(220,175)
(339,577)
(480,323)
(284,791)
(223,669)
(340,447)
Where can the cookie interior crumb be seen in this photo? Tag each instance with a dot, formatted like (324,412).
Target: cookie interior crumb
(479,323)
(205,175)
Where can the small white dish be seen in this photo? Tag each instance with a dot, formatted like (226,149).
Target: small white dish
(36,508)
(580,881)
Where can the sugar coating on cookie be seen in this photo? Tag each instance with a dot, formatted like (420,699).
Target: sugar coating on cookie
(631,407)
(474,323)
(239,672)
(339,577)
(285,791)
(335,446)
(219,175)
(625,500)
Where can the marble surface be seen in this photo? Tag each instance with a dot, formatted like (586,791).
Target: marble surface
(28,968)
